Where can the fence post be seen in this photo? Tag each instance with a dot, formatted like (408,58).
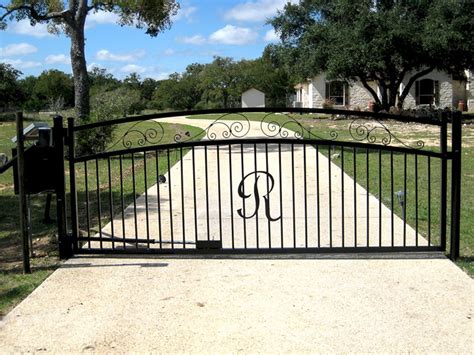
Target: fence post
(444,178)
(24,228)
(72,180)
(456,184)
(65,250)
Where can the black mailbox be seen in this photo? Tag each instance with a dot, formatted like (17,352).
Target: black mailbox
(40,161)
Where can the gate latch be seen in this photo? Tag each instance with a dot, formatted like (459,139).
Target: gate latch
(209,244)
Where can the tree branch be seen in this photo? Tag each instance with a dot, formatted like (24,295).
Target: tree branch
(369,89)
(33,13)
(400,78)
(406,90)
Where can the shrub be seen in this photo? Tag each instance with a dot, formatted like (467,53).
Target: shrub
(105,106)
(7,117)
(328,104)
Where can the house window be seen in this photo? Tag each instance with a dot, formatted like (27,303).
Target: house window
(299,95)
(337,93)
(427,92)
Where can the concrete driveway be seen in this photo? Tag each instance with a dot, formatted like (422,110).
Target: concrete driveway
(246,305)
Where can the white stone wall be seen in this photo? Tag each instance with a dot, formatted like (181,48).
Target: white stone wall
(319,90)
(302,94)
(470,92)
(445,89)
(253,98)
(459,92)
(450,92)
(359,97)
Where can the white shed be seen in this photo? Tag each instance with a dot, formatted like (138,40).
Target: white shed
(253,98)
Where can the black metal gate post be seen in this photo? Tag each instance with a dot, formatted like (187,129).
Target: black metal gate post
(24,226)
(444,177)
(65,249)
(72,179)
(456,184)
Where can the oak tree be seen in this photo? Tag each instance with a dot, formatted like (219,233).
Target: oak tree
(375,40)
(70,17)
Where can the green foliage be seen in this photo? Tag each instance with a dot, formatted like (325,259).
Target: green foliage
(117,103)
(51,85)
(153,15)
(180,91)
(220,84)
(10,90)
(148,87)
(101,80)
(7,117)
(381,40)
(31,102)
(105,106)
(70,17)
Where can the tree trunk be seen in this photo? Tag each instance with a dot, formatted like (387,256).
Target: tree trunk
(226,97)
(392,94)
(383,92)
(79,70)
(412,80)
(370,90)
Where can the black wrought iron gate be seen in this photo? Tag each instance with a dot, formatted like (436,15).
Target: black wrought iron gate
(263,181)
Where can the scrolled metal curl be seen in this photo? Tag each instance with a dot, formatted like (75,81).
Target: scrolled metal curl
(274,129)
(233,129)
(364,131)
(135,136)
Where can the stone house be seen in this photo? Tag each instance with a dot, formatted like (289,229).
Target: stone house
(436,88)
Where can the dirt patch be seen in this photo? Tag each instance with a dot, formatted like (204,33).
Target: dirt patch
(6,187)
(44,248)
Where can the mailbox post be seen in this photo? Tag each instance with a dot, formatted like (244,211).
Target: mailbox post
(40,169)
(22,193)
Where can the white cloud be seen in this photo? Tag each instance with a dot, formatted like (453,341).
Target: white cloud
(271,36)
(21,64)
(104,54)
(196,40)
(258,10)
(23,27)
(101,18)
(233,35)
(58,59)
(145,71)
(94,65)
(158,76)
(133,68)
(169,51)
(17,49)
(185,13)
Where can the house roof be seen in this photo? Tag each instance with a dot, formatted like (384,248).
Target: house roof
(252,88)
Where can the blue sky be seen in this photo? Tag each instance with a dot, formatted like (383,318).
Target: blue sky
(202,29)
